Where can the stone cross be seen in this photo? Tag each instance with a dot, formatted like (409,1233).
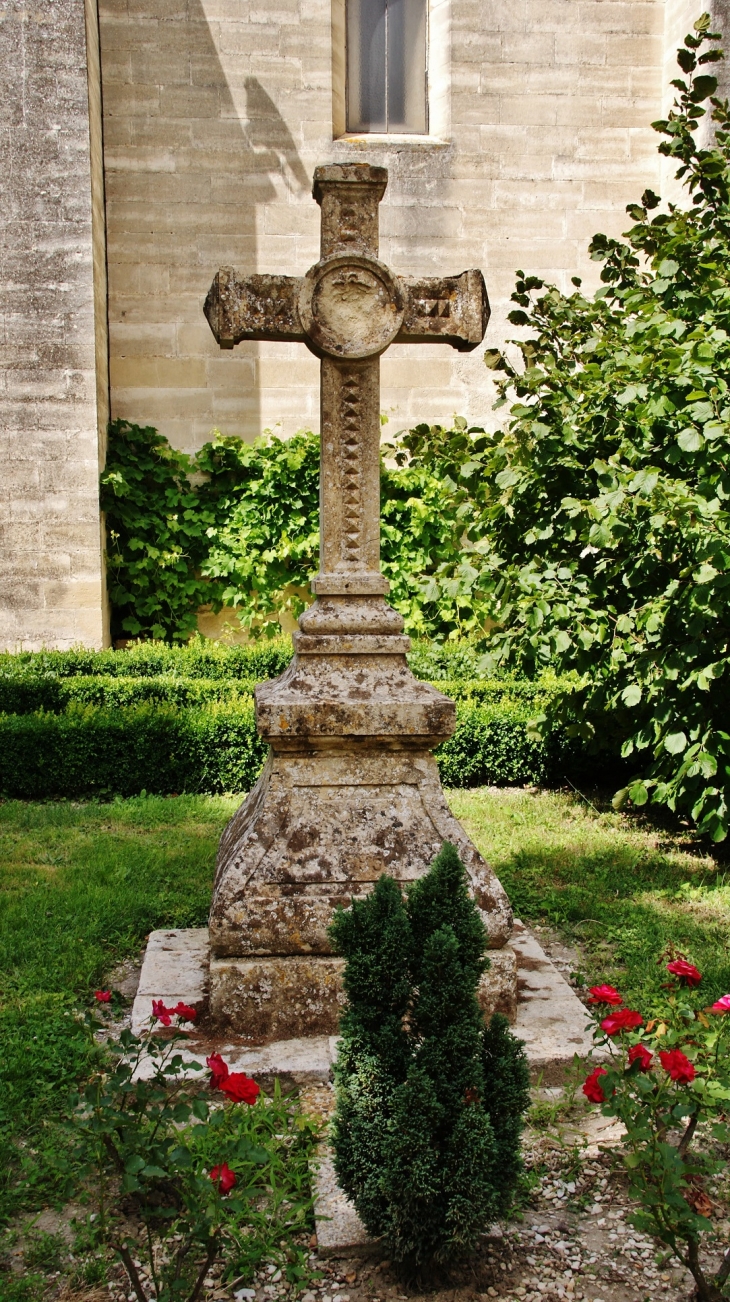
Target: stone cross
(348,309)
(350,789)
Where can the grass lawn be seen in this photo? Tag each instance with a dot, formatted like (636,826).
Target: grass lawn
(82,885)
(80,888)
(623,886)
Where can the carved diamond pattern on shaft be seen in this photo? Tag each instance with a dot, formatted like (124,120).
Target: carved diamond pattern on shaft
(351,495)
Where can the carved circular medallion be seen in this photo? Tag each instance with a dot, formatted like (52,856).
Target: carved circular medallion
(351,306)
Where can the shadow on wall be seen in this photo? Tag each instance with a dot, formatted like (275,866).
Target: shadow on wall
(270,138)
(191,151)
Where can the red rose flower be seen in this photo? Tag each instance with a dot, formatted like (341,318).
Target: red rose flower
(623,1020)
(678,1065)
(641,1053)
(218,1070)
(686,972)
(103,996)
(224,1177)
(161,1013)
(604,995)
(592,1088)
(722,1005)
(240,1088)
(184,1012)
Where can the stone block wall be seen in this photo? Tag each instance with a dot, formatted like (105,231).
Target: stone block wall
(217,112)
(51,589)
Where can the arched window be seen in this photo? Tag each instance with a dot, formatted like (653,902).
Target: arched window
(386,66)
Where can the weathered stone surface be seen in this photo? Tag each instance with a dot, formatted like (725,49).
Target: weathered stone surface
(277,998)
(176,966)
(453,310)
(53,402)
(550,1017)
(339,1228)
(259,307)
(350,789)
(320,827)
(497,991)
(355,695)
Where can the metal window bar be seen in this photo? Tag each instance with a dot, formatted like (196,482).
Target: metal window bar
(387,66)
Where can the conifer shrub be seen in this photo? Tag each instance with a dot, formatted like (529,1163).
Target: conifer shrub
(430,1101)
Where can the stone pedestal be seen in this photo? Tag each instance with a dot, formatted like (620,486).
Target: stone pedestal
(350,790)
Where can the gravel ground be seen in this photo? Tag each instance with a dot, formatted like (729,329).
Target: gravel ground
(573,1241)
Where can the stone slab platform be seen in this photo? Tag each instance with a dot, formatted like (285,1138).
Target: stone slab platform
(550,1019)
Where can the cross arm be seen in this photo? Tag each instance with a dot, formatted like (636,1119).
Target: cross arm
(447,309)
(256,307)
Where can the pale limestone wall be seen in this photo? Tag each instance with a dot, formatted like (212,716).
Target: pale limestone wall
(51,591)
(217,112)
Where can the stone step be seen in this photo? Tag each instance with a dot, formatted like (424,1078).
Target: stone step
(550,1018)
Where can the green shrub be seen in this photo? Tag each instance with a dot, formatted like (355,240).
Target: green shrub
(26,695)
(199,658)
(157,535)
(429,1103)
(238,525)
(447,661)
(161,749)
(492,746)
(603,504)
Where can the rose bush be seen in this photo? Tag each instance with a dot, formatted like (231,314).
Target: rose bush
(191,1172)
(668,1081)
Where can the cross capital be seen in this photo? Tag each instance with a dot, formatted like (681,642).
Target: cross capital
(348,309)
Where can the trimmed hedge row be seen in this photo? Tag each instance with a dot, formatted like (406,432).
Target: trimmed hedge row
(29,692)
(199,658)
(164,749)
(33,692)
(166,719)
(88,751)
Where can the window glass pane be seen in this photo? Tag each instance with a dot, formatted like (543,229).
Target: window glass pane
(366,40)
(406,65)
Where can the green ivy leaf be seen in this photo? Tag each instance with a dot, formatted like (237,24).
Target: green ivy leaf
(690,440)
(675,743)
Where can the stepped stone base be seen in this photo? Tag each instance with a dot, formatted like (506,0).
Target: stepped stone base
(548,1016)
(267,999)
(318,829)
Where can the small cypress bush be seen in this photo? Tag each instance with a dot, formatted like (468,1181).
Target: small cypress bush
(430,1102)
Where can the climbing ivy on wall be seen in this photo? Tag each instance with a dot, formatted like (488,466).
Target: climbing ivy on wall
(156,535)
(237,525)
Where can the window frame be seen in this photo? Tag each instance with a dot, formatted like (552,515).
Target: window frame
(376,135)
